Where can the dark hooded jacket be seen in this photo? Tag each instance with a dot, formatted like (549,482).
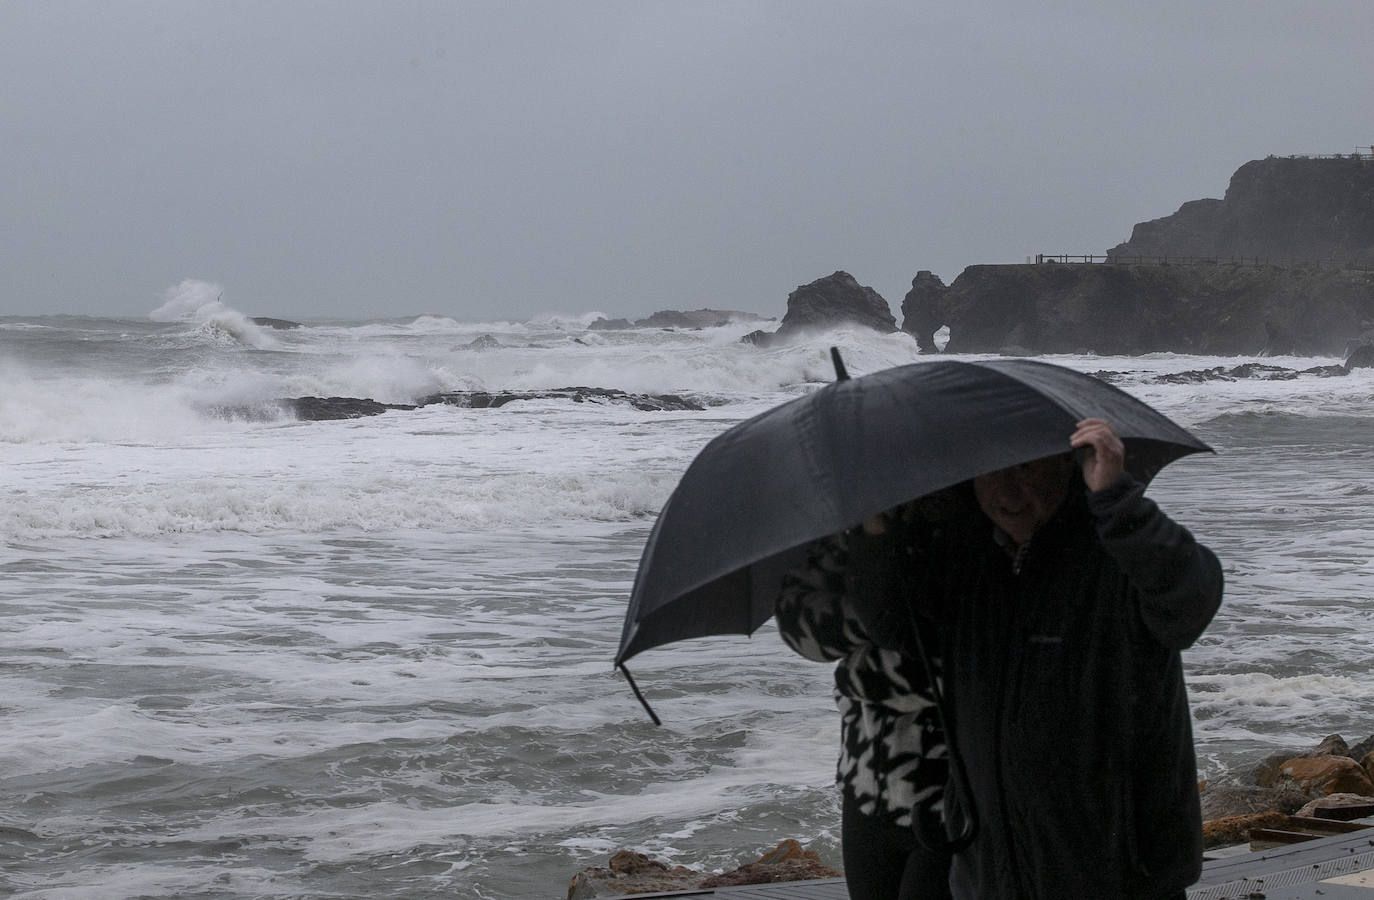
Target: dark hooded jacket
(1065,684)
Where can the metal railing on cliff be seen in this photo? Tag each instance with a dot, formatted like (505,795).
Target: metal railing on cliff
(1282,262)
(1358,154)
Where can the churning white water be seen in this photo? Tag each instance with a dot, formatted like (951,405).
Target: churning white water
(248,656)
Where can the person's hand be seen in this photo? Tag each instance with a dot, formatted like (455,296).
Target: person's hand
(1102,457)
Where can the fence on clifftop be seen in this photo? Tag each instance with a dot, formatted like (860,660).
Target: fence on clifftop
(1329,264)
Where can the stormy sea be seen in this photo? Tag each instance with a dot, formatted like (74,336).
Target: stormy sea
(249,655)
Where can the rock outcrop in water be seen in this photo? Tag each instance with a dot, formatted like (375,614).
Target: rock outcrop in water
(319,409)
(279,324)
(676,319)
(835,301)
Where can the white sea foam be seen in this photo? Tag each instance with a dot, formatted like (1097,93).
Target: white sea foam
(299,654)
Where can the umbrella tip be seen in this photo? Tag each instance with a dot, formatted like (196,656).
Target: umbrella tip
(841,373)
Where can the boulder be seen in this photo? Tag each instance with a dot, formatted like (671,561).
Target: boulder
(1221,801)
(1361,357)
(279,324)
(1324,775)
(320,409)
(604,324)
(1331,745)
(1333,801)
(1358,751)
(484,342)
(1236,829)
(785,862)
(634,873)
(631,873)
(835,301)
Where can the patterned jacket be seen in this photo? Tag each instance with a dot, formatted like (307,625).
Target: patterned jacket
(892,749)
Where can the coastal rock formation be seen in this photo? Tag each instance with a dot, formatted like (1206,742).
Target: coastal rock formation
(834,301)
(634,873)
(1132,309)
(837,299)
(1273,208)
(1361,357)
(923,308)
(1283,264)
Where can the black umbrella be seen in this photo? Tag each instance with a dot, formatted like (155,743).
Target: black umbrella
(758,494)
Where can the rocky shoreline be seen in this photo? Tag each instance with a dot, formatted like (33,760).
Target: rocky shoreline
(1288,783)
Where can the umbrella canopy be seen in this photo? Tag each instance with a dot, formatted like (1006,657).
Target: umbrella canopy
(757,495)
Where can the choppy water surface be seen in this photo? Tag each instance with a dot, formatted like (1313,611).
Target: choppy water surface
(372,658)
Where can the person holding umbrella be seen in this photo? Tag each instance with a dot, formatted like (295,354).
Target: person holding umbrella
(1060,594)
(840,607)
(1063,634)
(1061,626)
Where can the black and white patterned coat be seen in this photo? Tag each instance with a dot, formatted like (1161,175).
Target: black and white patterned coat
(892,749)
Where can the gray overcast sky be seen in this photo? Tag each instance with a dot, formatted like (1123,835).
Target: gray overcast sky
(501,159)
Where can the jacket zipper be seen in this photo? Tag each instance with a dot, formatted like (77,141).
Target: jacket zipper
(1007,657)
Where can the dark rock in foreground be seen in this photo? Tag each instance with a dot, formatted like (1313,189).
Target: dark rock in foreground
(634,873)
(1285,783)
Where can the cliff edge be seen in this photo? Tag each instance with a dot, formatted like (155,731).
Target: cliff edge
(1304,208)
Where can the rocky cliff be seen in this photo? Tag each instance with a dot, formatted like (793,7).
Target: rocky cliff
(1274,208)
(1291,251)
(1131,309)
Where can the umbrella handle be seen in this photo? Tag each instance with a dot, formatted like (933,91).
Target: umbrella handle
(841,373)
(956,763)
(642,702)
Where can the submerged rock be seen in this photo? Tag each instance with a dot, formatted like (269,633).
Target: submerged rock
(320,409)
(495,399)
(279,324)
(484,342)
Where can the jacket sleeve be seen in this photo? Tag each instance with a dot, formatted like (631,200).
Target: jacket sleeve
(818,618)
(1179,581)
(810,610)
